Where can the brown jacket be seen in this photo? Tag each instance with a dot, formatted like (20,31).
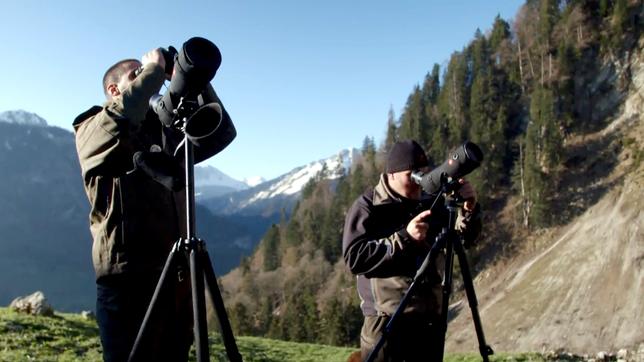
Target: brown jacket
(134,220)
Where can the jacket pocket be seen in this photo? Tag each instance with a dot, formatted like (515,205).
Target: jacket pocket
(388,292)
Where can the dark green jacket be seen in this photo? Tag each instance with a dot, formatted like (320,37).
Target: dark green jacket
(134,220)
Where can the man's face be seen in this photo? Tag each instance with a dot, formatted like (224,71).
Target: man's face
(402,183)
(126,78)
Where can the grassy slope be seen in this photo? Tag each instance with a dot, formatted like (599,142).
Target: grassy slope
(69,337)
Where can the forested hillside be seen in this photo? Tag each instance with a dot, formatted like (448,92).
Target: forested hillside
(528,91)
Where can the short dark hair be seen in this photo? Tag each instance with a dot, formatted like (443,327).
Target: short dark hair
(114,73)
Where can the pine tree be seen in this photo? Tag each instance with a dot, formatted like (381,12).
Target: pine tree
(331,232)
(240,320)
(392,130)
(358,181)
(293,233)
(548,16)
(488,119)
(542,153)
(604,6)
(412,123)
(566,83)
(278,328)
(619,22)
(500,32)
(535,204)
(343,193)
(264,316)
(270,248)
(454,100)
(311,220)
(480,54)
(332,322)
(300,317)
(369,159)
(431,86)
(433,123)
(340,324)
(309,187)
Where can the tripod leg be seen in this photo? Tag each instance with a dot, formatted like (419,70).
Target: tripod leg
(429,259)
(198,307)
(447,291)
(157,291)
(471,299)
(220,309)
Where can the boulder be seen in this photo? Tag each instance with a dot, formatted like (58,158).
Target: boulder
(35,304)
(88,314)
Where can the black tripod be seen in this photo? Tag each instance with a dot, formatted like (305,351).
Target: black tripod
(450,240)
(200,267)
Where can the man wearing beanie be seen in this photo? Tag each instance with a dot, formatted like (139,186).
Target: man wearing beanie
(387,234)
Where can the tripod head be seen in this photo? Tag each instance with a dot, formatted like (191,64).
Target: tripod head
(449,189)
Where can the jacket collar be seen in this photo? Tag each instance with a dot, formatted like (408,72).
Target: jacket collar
(383,194)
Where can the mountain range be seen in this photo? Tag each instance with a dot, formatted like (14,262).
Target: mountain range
(44,234)
(280,194)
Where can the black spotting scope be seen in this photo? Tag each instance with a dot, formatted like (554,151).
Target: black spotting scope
(193,68)
(461,161)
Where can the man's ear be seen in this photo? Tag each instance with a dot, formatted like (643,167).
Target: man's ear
(113,90)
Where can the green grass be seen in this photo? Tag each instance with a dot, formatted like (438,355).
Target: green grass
(64,337)
(263,349)
(69,337)
(517,357)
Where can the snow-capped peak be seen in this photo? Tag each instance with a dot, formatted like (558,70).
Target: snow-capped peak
(293,182)
(210,176)
(22,117)
(254,180)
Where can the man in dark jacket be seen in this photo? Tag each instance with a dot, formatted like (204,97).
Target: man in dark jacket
(134,218)
(387,234)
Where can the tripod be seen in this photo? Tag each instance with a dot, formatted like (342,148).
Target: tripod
(200,268)
(450,240)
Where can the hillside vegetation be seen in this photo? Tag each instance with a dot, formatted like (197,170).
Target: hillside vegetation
(583,281)
(554,99)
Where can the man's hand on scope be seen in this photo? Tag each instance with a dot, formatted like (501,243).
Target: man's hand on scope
(468,194)
(153,57)
(417,227)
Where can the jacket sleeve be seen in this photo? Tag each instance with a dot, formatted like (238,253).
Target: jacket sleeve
(133,103)
(101,139)
(369,254)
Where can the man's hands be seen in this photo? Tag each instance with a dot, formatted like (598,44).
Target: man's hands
(417,227)
(153,57)
(468,194)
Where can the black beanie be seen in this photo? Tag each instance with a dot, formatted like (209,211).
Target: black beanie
(405,155)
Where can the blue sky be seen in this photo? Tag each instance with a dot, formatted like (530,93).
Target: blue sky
(301,79)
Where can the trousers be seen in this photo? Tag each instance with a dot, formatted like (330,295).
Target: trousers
(413,338)
(121,304)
